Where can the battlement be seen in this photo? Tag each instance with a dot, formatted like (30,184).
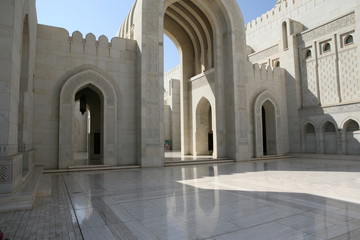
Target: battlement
(88,45)
(278,11)
(174,70)
(264,73)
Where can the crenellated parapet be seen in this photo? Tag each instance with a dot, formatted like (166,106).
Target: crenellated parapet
(76,43)
(258,72)
(281,8)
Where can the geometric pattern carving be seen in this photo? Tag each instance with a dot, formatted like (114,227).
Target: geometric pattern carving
(309,85)
(349,72)
(5,173)
(328,82)
(330,27)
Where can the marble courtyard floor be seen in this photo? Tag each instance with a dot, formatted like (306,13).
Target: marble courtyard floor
(284,199)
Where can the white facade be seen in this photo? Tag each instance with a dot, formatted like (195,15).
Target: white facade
(288,82)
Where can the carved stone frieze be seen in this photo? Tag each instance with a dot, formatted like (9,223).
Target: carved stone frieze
(329,28)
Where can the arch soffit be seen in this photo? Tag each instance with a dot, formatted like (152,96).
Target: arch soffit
(188,27)
(262,98)
(193,37)
(195,20)
(225,6)
(202,103)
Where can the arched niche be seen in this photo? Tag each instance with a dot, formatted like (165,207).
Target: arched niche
(351,131)
(329,137)
(204,133)
(267,112)
(106,92)
(309,138)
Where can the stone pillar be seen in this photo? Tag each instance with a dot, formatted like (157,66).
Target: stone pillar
(10,59)
(148,33)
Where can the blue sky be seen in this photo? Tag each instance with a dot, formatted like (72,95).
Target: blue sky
(104,17)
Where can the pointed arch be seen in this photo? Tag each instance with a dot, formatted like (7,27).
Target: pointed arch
(204,133)
(351,137)
(266,103)
(309,138)
(107,93)
(329,135)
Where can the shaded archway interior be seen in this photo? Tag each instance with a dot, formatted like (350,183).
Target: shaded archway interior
(88,125)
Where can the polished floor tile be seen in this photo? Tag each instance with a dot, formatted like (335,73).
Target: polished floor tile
(283,199)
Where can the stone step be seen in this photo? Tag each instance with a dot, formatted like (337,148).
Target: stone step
(24,197)
(93,168)
(88,166)
(271,157)
(198,162)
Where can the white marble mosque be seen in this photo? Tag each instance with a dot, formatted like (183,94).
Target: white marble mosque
(255,135)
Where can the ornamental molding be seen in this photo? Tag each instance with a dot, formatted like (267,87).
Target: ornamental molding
(329,28)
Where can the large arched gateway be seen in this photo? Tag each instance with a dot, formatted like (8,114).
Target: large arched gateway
(211,39)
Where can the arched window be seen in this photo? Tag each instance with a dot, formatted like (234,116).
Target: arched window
(351,126)
(285,36)
(309,128)
(308,54)
(327,47)
(277,64)
(349,40)
(329,127)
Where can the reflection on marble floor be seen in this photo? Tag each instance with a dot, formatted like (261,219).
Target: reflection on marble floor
(175,156)
(82,159)
(283,199)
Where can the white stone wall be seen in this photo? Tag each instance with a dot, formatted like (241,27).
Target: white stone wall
(310,13)
(172,119)
(326,80)
(18,26)
(60,56)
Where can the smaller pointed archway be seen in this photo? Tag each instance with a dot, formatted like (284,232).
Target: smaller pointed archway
(90,122)
(267,126)
(102,103)
(352,137)
(329,136)
(309,138)
(268,129)
(204,131)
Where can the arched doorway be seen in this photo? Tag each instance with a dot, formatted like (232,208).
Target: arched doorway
(267,125)
(101,102)
(204,133)
(269,129)
(352,137)
(88,132)
(309,138)
(329,132)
